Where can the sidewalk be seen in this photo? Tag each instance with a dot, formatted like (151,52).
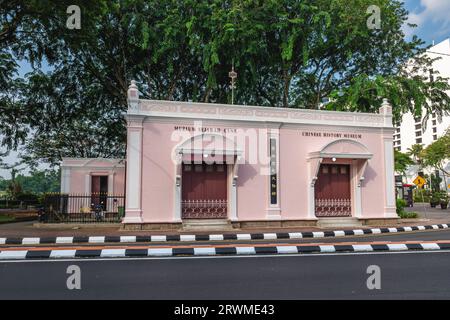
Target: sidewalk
(426,212)
(427,216)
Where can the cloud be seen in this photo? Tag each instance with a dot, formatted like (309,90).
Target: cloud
(430,14)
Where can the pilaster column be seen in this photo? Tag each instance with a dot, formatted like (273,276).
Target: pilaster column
(133,206)
(65,180)
(178,182)
(313,170)
(388,151)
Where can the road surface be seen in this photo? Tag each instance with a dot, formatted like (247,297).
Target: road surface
(413,275)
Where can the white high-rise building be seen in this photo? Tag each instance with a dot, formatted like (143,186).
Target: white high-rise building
(412,130)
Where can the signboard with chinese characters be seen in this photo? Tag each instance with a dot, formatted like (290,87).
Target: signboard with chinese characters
(273,172)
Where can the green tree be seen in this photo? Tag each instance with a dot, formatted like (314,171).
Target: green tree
(40,181)
(37,181)
(416,152)
(437,154)
(288,53)
(402,161)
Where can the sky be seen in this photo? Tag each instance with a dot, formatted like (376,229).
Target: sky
(431,16)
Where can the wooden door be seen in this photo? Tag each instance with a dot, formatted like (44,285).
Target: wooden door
(204,191)
(332,191)
(99,190)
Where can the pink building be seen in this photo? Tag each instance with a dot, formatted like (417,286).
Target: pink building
(252,166)
(92,181)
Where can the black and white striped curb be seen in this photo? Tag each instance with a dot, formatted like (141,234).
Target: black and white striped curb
(218,251)
(214,237)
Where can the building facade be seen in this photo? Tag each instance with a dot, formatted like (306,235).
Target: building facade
(411,130)
(255,165)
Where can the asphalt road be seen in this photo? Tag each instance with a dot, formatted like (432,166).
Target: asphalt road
(326,276)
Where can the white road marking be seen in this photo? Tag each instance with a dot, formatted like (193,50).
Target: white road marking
(362,247)
(62,254)
(96,240)
(127,238)
(243,236)
(318,235)
(430,246)
(64,239)
(327,249)
(15,254)
(158,238)
(397,246)
(31,240)
(204,251)
(270,236)
(160,252)
(187,237)
(287,249)
(112,253)
(245,250)
(299,256)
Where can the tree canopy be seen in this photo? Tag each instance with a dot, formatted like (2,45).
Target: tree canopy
(288,53)
(437,154)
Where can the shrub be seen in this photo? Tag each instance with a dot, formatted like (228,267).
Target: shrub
(422,195)
(400,207)
(408,215)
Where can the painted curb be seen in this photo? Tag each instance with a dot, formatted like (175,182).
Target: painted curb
(213,237)
(218,251)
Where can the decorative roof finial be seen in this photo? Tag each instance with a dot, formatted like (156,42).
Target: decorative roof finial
(133,96)
(233,75)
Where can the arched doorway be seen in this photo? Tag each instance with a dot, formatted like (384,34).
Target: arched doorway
(204,191)
(207,173)
(337,172)
(332,191)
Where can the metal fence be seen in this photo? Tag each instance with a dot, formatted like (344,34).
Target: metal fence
(8,203)
(83,208)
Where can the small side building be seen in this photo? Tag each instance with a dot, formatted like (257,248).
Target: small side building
(92,176)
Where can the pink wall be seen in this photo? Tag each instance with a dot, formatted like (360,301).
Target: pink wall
(159,169)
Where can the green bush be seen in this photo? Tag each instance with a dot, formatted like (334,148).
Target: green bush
(400,207)
(408,215)
(422,195)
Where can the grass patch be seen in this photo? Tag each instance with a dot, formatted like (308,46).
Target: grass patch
(408,215)
(4,218)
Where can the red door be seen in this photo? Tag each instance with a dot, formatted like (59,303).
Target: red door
(204,191)
(332,191)
(99,190)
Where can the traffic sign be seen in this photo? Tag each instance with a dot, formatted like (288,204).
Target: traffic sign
(419,181)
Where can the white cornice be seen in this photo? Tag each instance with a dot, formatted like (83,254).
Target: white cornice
(92,163)
(209,111)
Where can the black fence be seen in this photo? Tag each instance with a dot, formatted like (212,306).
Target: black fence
(83,208)
(26,203)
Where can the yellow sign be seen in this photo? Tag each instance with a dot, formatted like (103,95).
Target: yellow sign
(419,181)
